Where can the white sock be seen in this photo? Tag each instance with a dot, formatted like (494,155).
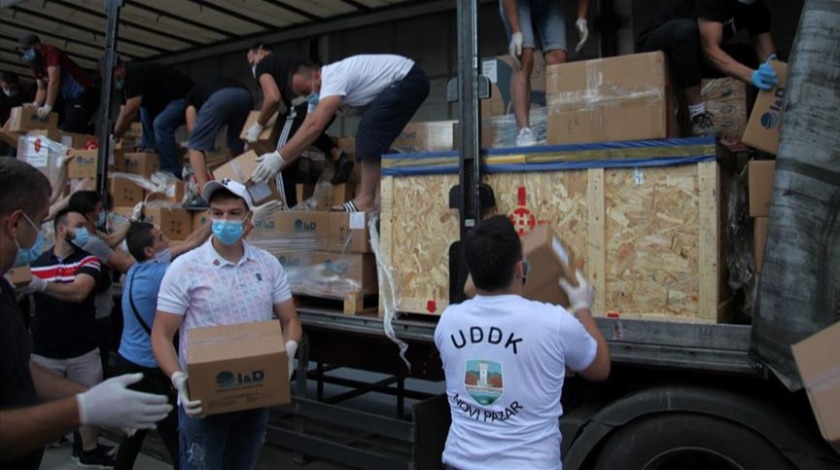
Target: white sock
(695,109)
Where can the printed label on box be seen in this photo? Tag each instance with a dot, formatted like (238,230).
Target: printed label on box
(37,154)
(259,191)
(357,220)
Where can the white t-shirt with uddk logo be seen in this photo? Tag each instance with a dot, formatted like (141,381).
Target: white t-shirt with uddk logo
(505,359)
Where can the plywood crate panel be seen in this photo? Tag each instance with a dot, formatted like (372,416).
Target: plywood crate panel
(649,236)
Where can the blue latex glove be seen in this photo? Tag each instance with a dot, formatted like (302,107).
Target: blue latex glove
(765,77)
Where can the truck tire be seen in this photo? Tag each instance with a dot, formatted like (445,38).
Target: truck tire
(686,441)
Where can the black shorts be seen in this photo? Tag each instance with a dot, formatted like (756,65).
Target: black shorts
(388,114)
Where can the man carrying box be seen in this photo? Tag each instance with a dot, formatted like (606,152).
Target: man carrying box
(211,104)
(386,89)
(272,72)
(224,282)
(60,80)
(505,358)
(694,34)
(151,249)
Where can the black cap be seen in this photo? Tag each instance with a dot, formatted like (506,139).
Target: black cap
(27,40)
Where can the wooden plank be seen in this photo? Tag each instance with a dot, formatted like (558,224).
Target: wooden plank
(386,230)
(596,266)
(708,265)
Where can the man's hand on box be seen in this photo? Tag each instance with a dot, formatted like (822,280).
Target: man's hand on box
(44,111)
(253,132)
(269,165)
(582,296)
(191,407)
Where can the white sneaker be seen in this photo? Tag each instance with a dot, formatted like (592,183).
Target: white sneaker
(525,138)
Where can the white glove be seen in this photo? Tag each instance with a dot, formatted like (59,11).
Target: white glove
(269,165)
(581,297)
(515,48)
(291,350)
(113,140)
(110,404)
(583,32)
(137,212)
(191,407)
(35,285)
(44,111)
(253,133)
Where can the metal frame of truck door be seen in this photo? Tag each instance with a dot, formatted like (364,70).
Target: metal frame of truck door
(112,8)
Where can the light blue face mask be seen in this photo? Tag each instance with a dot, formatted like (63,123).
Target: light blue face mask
(313,98)
(119,84)
(228,231)
(29,54)
(103,217)
(28,255)
(81,238)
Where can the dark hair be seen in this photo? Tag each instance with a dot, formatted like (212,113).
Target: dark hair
(492,249)
(22,187)
(305,68)
(10,77)
(138,238)
(260,46)
(84,202)
(61,218)
(224,193)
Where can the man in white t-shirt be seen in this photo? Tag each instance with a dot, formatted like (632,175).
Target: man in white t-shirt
(225,281)
(505,358)
(385,89)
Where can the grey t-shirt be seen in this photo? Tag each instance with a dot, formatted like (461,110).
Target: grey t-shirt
(104,300)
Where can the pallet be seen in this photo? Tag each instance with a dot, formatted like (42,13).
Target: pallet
(352,303)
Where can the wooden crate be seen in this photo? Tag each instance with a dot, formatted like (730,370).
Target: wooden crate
(649,235)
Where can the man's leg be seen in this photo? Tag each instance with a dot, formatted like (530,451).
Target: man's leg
(203,441)
(79,112)
(171,118)
(208,122)
(86,370)
(246,439)
(147,120)
(105,338)
(680,41)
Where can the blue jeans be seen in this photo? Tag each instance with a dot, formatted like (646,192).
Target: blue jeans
(159,133)
(225,441)
(228,106)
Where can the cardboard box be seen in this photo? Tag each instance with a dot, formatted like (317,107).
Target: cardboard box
(9,138)
(19,277)
(819,367)
(294,260)
(238,367)
(293,230)
(726,101)
(760,184)
(759,240)
(52,134)
(199,218)
(44,154)
(142,164)
(614,99)
(304,191)
(495,104)
(488,134)
(349,232)
(25,119)
(342,193)
(765,121)
(79,141)
(175,223)
(173,194)
(84,163)
(125,211)
(269,136)
(124,192)
(433,136)
(355,270)
(550,260)
(240,169)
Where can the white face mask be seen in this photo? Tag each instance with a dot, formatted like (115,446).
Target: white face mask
(164,256)
(9,92)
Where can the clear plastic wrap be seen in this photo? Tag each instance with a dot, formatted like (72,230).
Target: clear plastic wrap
(740,260)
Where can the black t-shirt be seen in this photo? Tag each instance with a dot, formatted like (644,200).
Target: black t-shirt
(60,329)
(158,84)
(25,94)
(733,14)
(17,388)
(205,88)
(281,67)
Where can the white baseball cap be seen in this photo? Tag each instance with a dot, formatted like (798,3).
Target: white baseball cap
(235,187)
